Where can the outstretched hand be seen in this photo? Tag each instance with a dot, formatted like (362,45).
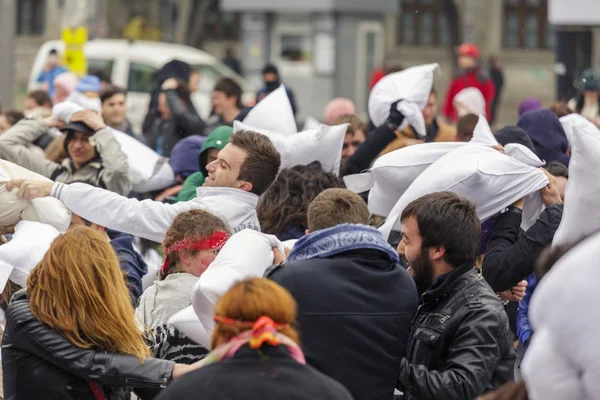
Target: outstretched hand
(30,189)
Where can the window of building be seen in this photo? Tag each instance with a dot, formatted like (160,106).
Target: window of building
(31,15)
(422,23)
(526,25)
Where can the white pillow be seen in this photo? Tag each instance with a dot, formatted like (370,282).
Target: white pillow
(188,323)
(564,309)
(523,154)
(25,250)
(412,84)
(490,179)
(323,144)
(310,123)
(394,172)
(471,100)
(246,254)
(47,210)
(569,122)
(273,113)
(482,134)
(581,215)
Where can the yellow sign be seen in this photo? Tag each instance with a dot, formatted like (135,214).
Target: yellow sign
(74,56)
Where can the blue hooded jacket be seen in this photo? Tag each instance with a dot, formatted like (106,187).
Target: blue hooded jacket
(547,135)
(130,262)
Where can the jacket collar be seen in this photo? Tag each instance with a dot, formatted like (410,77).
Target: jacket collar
(446,285)
(95,163)
(246,197)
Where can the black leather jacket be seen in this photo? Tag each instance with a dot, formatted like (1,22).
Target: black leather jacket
(39,363)
(460,344)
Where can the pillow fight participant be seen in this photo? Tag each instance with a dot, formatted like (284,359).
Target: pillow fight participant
(356,134)
(437,130)
(226,102)
(95,156)
(72,333)
(114,110)
(547,134)
(355,302)
(256,352)
(243,171)
(191,244)
(214,143)
(177,118)
(510,253)
(8,119)
(465,127)
(37,99)
(282,209)
(460,344)
(130,261)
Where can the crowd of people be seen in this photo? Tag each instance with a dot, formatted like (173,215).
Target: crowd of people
(410,256)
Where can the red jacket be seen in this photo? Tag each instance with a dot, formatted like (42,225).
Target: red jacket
(469,79)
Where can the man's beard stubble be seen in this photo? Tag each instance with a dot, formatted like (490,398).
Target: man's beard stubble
(423,272)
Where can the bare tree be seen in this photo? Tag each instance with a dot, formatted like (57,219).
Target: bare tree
(197,21)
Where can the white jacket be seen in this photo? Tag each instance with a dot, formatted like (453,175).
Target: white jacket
(151,219)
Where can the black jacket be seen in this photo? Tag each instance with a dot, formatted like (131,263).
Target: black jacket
(511,254)
(265,373)
(184,122)
(354,314)
(39,363)
(461,344)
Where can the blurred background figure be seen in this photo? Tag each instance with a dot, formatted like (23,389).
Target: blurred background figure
(232,62)
(471,76)
(529,104)
(37,99)
(273,81)
(497,75)
(51,70)
(64,85)
(587,102)
(114,109)
(9,118)
(469,101)
(356,134)
(338,107)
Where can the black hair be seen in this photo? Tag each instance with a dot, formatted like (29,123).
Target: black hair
(111,91)
(270,69)
(230,88)
(445,219)
(557,169)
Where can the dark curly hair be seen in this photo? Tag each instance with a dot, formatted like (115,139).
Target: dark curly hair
(286,201)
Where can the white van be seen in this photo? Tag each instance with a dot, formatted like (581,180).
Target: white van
(132,65)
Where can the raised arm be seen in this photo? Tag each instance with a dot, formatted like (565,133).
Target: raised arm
(16,145)
(186,117)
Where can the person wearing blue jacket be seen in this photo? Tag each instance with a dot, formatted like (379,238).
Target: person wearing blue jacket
(524,329)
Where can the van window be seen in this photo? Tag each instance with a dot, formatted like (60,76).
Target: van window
(103,65)
(141,78)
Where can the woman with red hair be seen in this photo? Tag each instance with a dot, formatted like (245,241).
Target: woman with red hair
(255,352)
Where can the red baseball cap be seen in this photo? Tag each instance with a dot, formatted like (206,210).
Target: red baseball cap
(469,50)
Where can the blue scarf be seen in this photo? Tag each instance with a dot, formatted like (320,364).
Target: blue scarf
(340,239)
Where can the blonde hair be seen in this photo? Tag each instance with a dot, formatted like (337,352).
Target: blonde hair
(79,290)
(249,300)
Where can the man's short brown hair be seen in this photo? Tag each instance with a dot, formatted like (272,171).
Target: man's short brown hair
(354,124)
(110,91)
(262,163)
(336,206)
(465,127)
(40,97)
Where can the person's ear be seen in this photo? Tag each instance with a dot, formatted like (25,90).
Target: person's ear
(245,186)
(437,253)
(185,256)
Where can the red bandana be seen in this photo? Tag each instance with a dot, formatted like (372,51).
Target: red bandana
(213,242)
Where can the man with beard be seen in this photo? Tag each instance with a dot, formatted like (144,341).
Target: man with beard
(460,344)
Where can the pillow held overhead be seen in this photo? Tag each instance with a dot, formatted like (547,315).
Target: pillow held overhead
(490,179)
(392,174)
(323,144)
(273,113)
(482,134)
(581,216)
(412,84)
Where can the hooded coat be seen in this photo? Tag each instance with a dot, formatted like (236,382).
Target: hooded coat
(547,134)
(216,140)
(514,134)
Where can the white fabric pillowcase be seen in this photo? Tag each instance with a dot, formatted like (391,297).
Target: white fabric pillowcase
(412,84)
(47,210)
(392,173)
(581,216)
(565,316)
(571,121)
(273,113)
(26,249)
(490,179)
(310,123)
(482,134)
(523,154)
(323,144)
(246,254)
